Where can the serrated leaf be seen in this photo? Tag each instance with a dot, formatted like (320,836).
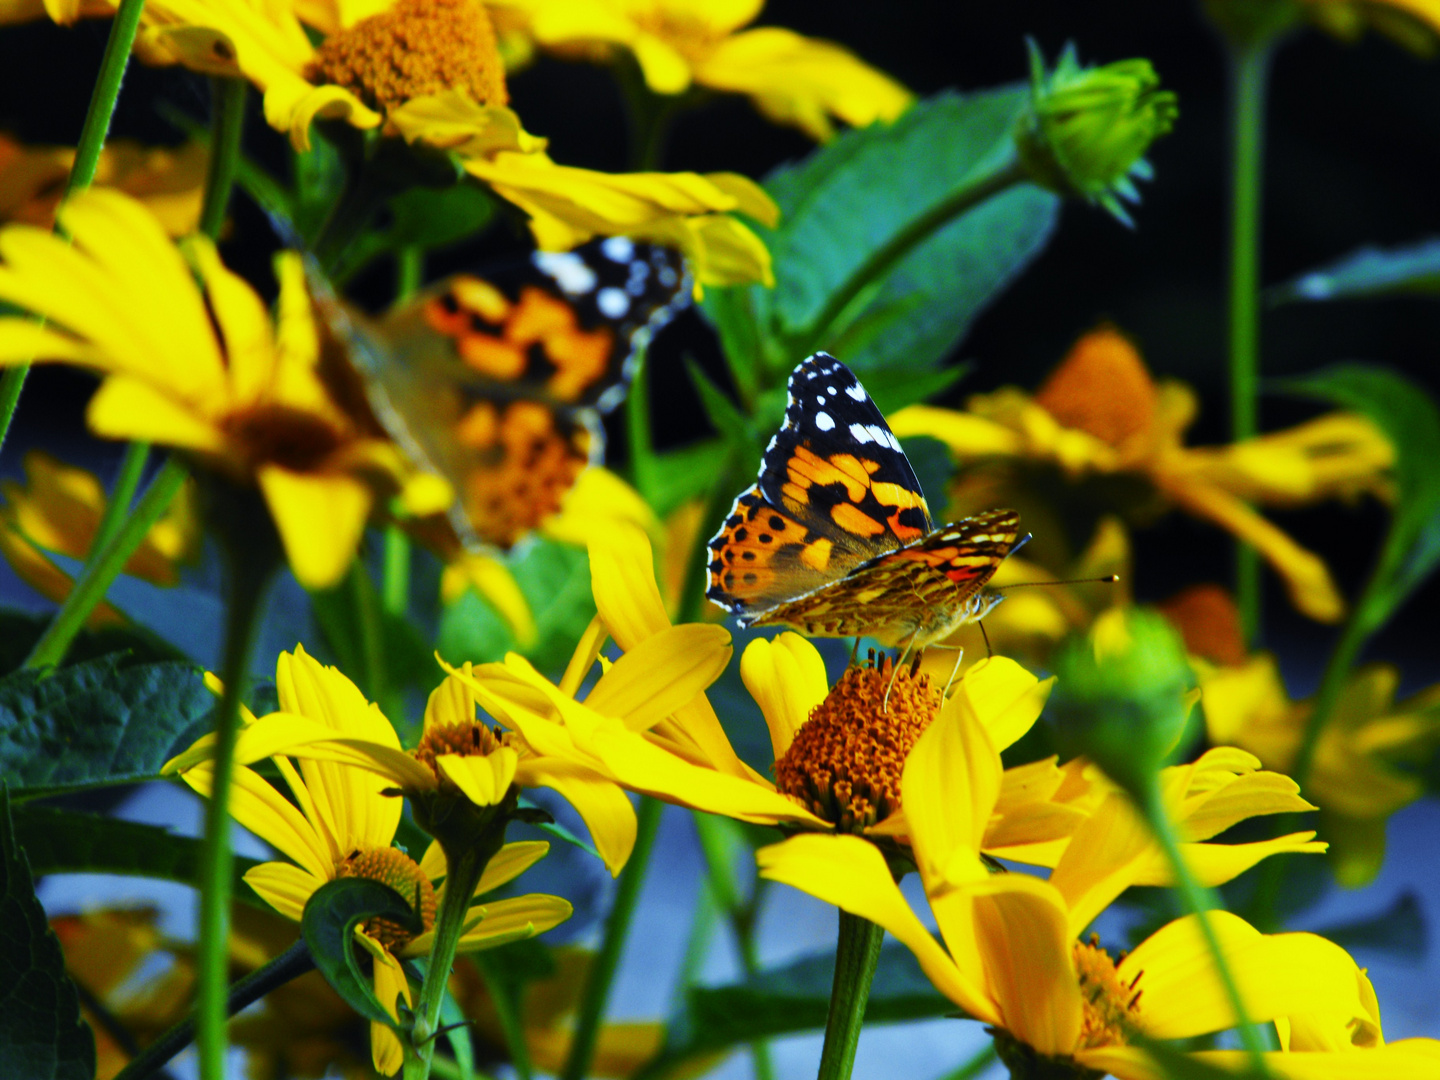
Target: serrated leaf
(1368,271)
(858,193)
(794,998)
(1407,414)
(67,842)
(41,1034)
(95,723)
(328,925)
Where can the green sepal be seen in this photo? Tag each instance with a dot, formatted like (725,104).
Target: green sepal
(328,925)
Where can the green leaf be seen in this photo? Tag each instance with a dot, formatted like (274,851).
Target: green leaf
(723,413)
(19,630)
(560,832)
(41,1034)
(683,474)
(1399,930)
(1366,272)
(795,998)
(1406,413)
(855,195)
(67,842)
(95,723)
(331,915)
(555,579)
(424,218)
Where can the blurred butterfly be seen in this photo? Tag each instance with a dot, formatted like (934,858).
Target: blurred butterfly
(497,382)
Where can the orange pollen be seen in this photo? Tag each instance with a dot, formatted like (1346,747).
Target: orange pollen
(391,866)
(1102,387)
(414,49)
(469,738)
(1111,1006)
(845,762)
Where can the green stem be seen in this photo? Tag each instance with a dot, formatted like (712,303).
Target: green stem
(372,643)
(87,157)
(508,1012)
(104,567)
(409,272)
(127,482)
(617,926)
(856,955)
(291,964)
(462,875)
(1249,70)
(227,124)
(250,573)
(637,431)
(395,573)
(1200,901)
(102,99)
(884,258)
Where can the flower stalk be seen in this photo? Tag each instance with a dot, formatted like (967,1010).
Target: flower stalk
(856,955)
(1249,71)
(227,124)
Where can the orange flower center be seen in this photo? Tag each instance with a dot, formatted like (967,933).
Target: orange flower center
(469,738)
(1103,388)
(391,866)
(1209,621)
(1110,1004)
(416,48)
(845,762)
(281,435)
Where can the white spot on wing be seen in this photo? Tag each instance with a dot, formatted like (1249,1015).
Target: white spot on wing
(568,270)
(823,421)
(860,433)
(618,249)
(612,302)
(856,391)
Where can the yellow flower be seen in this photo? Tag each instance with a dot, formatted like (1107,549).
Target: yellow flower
(790,78)
(1101,416)
(1011,958)
(1359,776)
(170,182)
(59,508)
(247,402)
(341,823)
(457,758)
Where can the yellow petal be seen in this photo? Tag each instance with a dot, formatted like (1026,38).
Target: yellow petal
(391,987)
(603,806)
(587,649)
(452,120)
(136,409)
(662,673)
(319,518)
(1003,697)
(259,807)
(484,780)
(665,70)
(622,575)
(514,919)
(967,435)
(851,874)
(1409,1059)
(493,580)
(786,677)
(1105,856)
(284,887)
(510,862)
(25,341)
(1215,864)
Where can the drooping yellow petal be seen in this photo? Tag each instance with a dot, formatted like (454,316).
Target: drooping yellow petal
(1215,864)
(622,575)
(257,806)
(661,674)
(391,987)
(601,804)
(1102,860)
(24,341)
(136,409)
(787,679)
(319,518)
(510,862)
(284,887)
(514,919)
(484,780)
(1003,697)
(851,874)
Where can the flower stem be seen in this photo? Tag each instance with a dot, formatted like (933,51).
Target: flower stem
(227,124)
(1200,901)
(395,573)
(884,258)
(1249,71)
(127,481)
(512,1024)
(104,567)
(291,964)
(462,875)
(409,271)
(250,572)
(602,971)
(856,955)
(87,157)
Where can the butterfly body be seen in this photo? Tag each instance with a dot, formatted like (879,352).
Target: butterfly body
(835,538)
(497,382)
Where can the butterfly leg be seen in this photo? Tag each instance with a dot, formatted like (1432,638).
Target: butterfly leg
(854,649)
(895,670)
(988,651)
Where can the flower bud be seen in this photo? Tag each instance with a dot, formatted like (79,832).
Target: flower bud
(1087,129)
(1123,695)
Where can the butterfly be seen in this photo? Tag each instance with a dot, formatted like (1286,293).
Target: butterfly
(497,382)
(835,538)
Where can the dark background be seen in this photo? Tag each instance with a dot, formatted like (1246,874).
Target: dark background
(1352,160)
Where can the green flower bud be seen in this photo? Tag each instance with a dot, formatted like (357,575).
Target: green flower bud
(1123,695)
(1087,129)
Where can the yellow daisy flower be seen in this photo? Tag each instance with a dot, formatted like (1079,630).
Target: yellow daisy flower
(171,182)
(341,823)
(1100,415)
(790,78)
(458,759)
(1011,958)
(58,509)
(1359,775)
(247,402)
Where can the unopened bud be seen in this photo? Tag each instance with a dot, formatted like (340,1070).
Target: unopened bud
(1087,129)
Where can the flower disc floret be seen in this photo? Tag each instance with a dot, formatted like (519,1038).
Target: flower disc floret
(467,739)
(394,868)
(414,49)
(1110,1006)
(846,760)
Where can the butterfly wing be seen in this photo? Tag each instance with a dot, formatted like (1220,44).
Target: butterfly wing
(835,490)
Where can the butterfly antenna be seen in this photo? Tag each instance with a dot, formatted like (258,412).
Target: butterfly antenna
(1109,579)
